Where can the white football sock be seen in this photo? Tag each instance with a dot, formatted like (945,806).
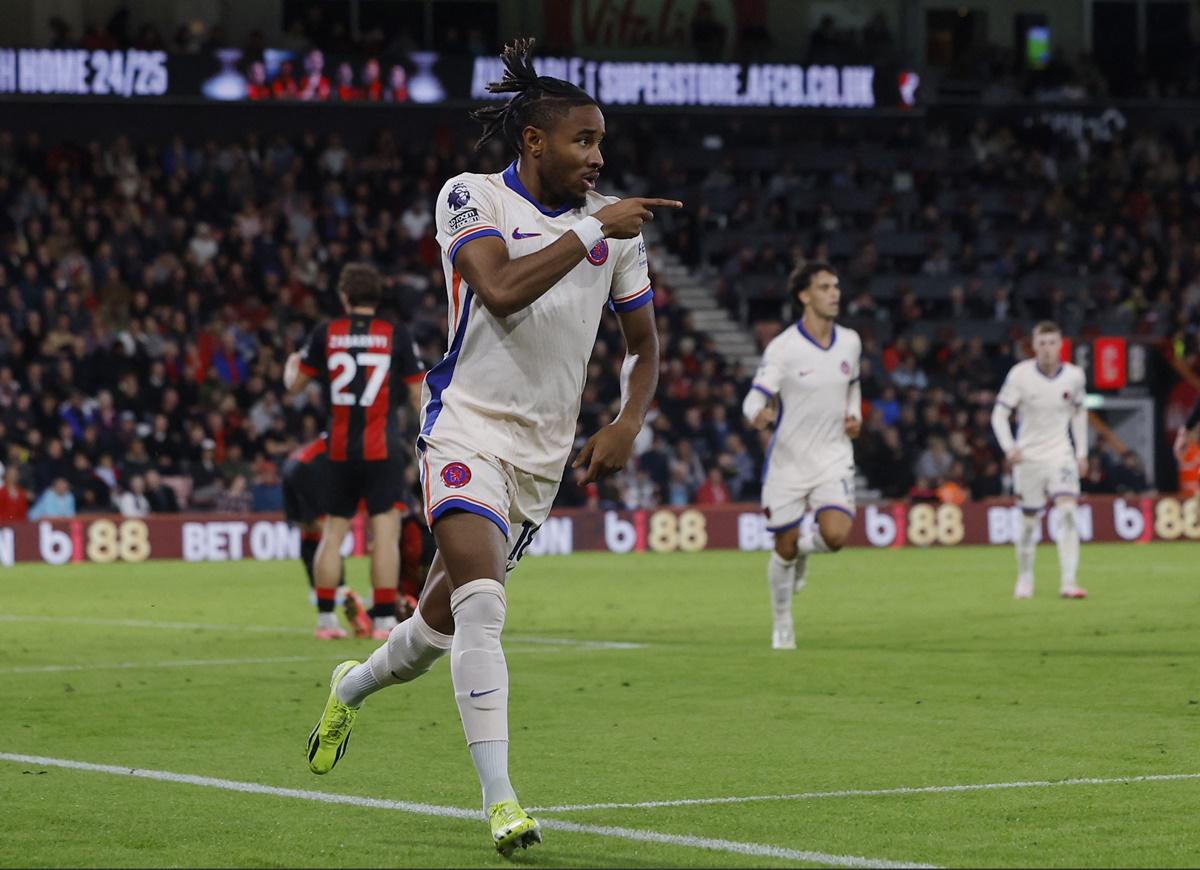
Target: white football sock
(383,623)
(491,762)
(781,578)
(477,665)
(410,650)
(327,620)
(1026,545)
(813,543)
(1068,546)
(480,677)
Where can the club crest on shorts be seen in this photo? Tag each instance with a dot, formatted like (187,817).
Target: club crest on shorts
(456,474)
(599,254)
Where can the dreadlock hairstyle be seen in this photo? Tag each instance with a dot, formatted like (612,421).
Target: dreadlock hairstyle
(538,101)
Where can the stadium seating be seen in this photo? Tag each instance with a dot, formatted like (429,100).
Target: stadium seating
(215,257)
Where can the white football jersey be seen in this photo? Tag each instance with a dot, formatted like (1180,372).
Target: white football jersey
(813,385)
(512,385)
(1044,406)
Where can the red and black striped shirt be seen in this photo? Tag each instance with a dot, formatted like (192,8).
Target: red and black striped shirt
(306,453)
(365,364)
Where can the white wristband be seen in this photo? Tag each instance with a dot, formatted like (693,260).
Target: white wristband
(589,231)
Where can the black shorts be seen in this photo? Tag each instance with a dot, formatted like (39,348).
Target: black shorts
(305,490)
(380,484)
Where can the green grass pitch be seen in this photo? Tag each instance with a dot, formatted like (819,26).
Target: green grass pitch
(914,669)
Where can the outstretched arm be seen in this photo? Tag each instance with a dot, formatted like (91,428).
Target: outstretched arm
(506,286)
(609,449)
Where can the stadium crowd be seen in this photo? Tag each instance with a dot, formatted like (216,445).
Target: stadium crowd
(150,293)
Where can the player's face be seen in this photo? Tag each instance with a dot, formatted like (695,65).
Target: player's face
(571,161)
(1047,347)
(823,295)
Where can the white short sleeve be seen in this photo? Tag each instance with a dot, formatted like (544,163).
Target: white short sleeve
(770,374)
(466,210)
(631,277)
(1010,394)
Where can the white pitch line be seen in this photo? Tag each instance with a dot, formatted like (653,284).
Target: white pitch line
(292,629)
(758,850)
(176,663)
(874,792)
(154,623)
(582,644)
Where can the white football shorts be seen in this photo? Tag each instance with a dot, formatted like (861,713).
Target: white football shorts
(1036,482)
(785,508)
(456,477)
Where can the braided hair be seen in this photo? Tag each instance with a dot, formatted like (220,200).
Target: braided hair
(537,101)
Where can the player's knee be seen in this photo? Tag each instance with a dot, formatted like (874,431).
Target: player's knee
(479,603)
(1066,512)
(786,548)
(834,529)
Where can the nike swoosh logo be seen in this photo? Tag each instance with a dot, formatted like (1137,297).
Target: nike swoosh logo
(475,694)
(518,235)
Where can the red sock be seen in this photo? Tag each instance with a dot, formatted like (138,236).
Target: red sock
(384,601)
(326,599)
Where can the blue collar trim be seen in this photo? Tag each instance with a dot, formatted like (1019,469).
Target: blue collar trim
(514,184)
(804,332)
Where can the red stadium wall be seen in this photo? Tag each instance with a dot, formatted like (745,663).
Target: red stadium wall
(218,538)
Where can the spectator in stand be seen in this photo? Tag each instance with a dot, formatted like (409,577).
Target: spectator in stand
(132,502)
(206,477)
(14,501)
(267,491)
(51,466)
(922,491)
(935,462)
(951,490)
(678,491)
(56,501)
(713,490)
(1187,455)
(1129,477)
(160,496)
(235,498)
(737,465)
(92,494)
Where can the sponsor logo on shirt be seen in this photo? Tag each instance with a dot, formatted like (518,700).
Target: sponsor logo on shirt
(459,196)
(470,216)
(598,255)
